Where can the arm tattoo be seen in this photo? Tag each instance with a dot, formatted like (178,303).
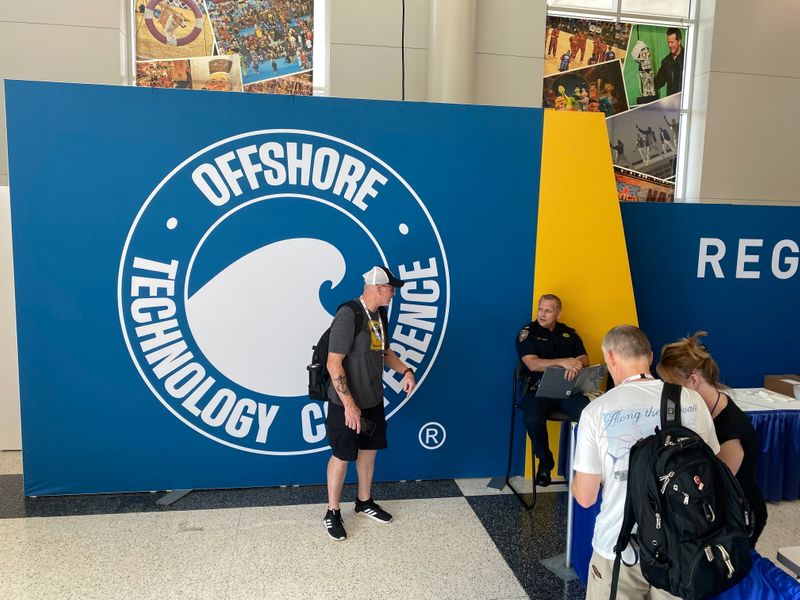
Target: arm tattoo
(340,383)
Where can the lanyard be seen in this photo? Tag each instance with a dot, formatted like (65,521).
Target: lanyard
(379,335)
(635,377)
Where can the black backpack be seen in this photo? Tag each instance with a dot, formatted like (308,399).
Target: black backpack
(318,376)
(693,519)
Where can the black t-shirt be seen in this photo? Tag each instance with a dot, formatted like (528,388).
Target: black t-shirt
(363,356)
(732,424)
(562,342)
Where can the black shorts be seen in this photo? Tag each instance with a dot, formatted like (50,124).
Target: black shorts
(345,442)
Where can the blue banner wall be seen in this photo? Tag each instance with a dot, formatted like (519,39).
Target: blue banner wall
(729,270)
(177,254)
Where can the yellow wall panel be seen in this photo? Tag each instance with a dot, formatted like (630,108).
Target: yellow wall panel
(580,244)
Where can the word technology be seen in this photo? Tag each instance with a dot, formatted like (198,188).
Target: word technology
(186,378)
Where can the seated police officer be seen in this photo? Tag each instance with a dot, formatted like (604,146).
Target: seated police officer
(544,343)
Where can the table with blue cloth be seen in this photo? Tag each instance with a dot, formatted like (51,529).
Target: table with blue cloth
(776,419)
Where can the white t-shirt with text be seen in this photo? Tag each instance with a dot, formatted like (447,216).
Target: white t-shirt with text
(608,428)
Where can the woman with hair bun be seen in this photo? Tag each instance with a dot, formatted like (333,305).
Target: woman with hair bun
(687,362)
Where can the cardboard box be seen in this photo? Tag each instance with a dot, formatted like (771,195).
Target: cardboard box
(788,385)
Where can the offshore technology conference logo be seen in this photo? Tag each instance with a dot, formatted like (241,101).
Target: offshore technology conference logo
(235,265)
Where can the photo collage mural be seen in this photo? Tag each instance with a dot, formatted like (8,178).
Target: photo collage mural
(632,74)
(262,46)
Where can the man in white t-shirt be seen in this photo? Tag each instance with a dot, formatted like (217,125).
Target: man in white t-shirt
(608,428)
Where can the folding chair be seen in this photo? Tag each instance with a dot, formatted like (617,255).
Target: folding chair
(520,385)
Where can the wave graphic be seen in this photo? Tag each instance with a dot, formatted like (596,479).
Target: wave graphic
(257,319)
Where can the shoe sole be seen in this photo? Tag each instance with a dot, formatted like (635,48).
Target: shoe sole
(374,518)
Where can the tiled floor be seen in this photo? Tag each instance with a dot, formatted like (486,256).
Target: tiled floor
(450,539)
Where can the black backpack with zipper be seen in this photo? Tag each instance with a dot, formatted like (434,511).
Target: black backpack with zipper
(692,517)
(318,376)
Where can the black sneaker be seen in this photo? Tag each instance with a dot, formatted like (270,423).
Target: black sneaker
(368,508)
(334,525)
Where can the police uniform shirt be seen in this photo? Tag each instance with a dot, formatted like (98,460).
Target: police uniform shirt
(562,342)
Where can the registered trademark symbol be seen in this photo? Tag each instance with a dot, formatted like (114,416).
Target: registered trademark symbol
(432,435)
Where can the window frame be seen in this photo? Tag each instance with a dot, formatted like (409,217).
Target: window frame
(617,15)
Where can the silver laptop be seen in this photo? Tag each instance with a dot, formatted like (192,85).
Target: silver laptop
(553,384)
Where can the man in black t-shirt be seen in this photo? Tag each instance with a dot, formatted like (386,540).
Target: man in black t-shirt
(544,343)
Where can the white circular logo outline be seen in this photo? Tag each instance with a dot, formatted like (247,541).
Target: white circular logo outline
(199,153)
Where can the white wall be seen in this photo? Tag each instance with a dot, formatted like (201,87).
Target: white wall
(9,376)
(747,84)
(742,143)
(51,40)
(509,52)
(365,59)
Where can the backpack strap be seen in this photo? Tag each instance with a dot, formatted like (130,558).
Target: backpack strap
(361,317)
(670,405)
(615,576)
(624,538)
(358,311)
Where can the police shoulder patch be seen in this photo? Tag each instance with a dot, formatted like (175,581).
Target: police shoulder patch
(523,334)
(565,334)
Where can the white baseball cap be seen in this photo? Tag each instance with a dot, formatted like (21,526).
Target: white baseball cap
(381,276)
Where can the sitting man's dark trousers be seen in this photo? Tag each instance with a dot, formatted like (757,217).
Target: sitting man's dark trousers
(535,412)
(548,343)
